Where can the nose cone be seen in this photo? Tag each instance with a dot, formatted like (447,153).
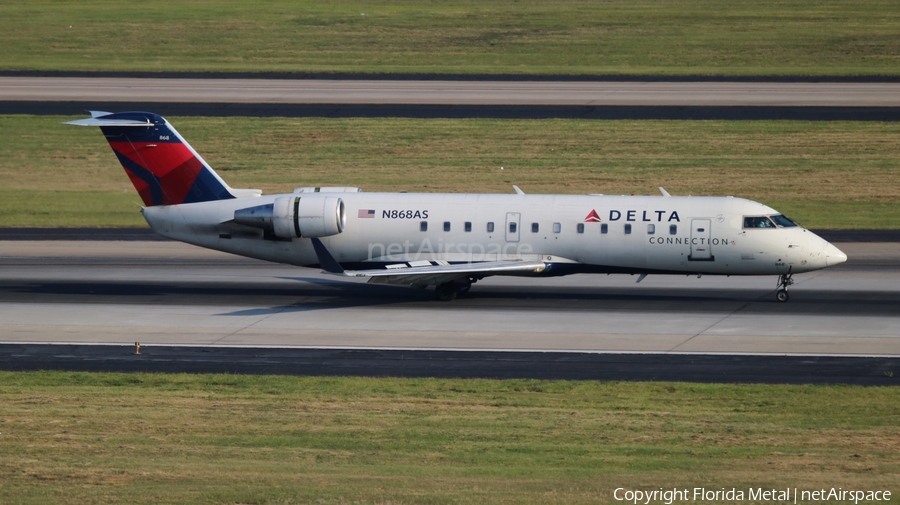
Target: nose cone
(833,255)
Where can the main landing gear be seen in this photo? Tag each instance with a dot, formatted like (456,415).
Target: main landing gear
(450,290)
(784,281)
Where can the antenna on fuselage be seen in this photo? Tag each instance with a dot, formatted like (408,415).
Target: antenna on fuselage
(518,191)
(664,192)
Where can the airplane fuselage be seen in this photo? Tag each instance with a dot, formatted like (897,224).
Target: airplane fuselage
(573,233)
(452,240)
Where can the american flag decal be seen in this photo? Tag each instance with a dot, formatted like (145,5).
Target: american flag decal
(366,213)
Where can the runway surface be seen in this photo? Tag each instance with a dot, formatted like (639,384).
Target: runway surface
(432,92)
(171,293)
(725,113)
(244,316)
(871,371)
(703,99)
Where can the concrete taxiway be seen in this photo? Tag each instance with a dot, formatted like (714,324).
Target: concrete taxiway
(171,293)
(449,92)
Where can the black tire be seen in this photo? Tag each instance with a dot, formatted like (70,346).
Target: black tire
(446,292)
(782,295)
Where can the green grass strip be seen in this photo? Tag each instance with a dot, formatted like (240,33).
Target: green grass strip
(824,174)
(138,438)
(694,37)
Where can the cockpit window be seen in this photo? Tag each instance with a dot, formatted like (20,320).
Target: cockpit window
(783,222)
(758,222)
(778,221)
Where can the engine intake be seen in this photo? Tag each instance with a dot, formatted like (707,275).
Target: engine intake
(302,215)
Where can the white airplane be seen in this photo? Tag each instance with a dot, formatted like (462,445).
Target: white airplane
(453,240)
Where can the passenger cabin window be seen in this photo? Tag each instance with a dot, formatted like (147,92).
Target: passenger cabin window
(580,227)
(651,229)
(557,227)
(468,226)
(423,226)
(446,225)
(512,227)
(534,227)
(673,229)
(490,227)
(627,229)
(604,228)
(758,222)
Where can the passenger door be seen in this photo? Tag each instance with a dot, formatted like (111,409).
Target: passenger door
(700,234)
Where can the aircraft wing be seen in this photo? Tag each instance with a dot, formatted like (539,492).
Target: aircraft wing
(427,273)
(439,274)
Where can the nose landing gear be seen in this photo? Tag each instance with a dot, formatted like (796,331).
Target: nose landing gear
(784,280)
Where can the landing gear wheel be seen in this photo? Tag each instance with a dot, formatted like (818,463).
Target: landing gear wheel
(784,281)
(446,292)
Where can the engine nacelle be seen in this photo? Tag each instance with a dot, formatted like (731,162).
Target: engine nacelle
(304,215)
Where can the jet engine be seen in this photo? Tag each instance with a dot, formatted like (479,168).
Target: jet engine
(303,215)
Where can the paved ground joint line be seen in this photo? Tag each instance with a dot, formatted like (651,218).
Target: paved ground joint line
(716,323)
(279,310)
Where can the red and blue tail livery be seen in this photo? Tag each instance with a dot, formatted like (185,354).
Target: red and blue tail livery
(164,168)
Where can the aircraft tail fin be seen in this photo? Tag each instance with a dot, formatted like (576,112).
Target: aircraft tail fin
(163,167)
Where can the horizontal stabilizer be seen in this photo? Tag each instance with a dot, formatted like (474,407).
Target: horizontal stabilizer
(99,121)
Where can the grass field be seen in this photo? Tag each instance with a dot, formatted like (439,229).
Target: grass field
(134,438)
(825,174)
(693,37)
